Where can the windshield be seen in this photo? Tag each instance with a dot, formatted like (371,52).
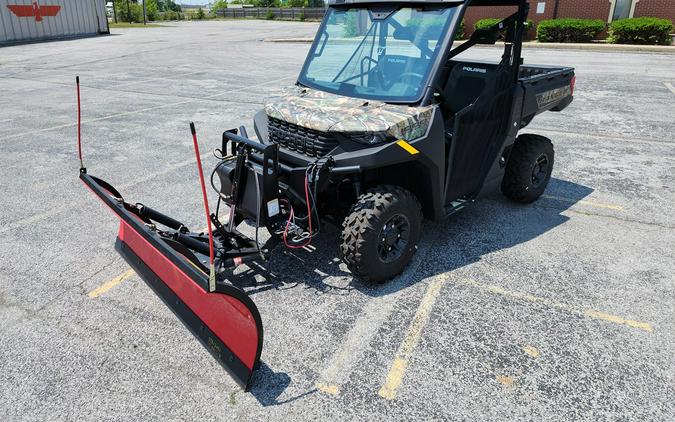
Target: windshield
(383,56)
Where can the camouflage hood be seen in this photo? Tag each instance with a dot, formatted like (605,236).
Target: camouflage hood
(327,112)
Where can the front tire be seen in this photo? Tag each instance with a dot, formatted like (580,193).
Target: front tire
(380,234)
(529,168)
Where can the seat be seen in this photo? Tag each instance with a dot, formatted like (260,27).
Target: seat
(466,82)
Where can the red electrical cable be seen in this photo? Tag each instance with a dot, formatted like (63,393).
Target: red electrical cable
(212,257)
(79,123)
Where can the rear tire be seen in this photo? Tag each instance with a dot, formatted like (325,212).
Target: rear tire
(380,234)
(529,168)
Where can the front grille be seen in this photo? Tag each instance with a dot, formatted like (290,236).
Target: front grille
(299,139)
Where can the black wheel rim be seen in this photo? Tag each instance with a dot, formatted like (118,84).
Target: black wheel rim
(393,238)
(540,170)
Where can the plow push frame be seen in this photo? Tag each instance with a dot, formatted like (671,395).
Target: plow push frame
(189,271)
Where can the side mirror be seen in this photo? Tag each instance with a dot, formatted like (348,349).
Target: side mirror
(484,36)
(403,33)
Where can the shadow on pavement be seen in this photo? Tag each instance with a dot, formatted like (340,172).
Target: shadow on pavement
(489,225)
(269,385)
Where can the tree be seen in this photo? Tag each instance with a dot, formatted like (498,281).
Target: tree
(296,3)
(218,5)
(168,5)
(152,9)
(266,3)
(200,13)
(129,11)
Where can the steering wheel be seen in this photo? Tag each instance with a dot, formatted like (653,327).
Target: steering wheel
(403,76)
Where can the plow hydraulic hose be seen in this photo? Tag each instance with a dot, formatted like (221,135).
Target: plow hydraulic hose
(212,269)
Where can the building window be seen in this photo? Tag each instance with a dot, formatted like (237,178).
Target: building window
(622,9)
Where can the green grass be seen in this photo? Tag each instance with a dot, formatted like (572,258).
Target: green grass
(132,25)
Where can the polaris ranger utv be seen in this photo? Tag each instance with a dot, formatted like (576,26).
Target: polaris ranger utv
(385,126)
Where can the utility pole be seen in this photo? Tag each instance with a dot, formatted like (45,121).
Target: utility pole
(145,14)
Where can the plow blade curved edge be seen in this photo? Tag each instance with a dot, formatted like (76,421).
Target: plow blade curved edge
(225,321)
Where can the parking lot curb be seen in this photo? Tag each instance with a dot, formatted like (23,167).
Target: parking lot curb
(663,49)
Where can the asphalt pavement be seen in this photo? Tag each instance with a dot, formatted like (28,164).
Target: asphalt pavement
(559,310)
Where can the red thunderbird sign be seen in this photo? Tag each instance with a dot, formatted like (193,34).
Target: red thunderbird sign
(34,10)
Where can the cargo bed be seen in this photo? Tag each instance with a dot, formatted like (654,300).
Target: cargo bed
(546,88)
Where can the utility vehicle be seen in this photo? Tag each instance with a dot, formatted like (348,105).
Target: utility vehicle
(385,126)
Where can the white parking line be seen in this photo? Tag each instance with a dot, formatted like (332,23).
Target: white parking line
(74,205)
(171,79)
(585,202)
(670,87)
(141,110)
(374,314)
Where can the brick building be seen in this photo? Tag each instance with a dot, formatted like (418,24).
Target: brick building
(607,10)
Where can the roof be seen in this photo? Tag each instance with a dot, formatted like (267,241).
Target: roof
(469,2)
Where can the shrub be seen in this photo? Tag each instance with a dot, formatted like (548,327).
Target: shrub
(270,15)
(170,15)
(350,29)
(194,15)
(461,31)
(644,30)
(133,14)
(302,17)
(487,23)
(265,3)
(569,30)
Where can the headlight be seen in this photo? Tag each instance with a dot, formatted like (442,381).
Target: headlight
(370,138)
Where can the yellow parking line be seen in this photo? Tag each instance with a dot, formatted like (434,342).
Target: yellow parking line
(120,278)
(619,320)
(110,284)
(531,351)
(332,389)
(405,350)
(506,380)
(584,202)
(645,326)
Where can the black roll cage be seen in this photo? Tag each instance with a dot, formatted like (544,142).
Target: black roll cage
(514,25)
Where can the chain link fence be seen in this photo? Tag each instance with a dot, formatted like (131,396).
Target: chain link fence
(283,13)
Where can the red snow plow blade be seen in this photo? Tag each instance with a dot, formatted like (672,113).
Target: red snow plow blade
(174,263)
